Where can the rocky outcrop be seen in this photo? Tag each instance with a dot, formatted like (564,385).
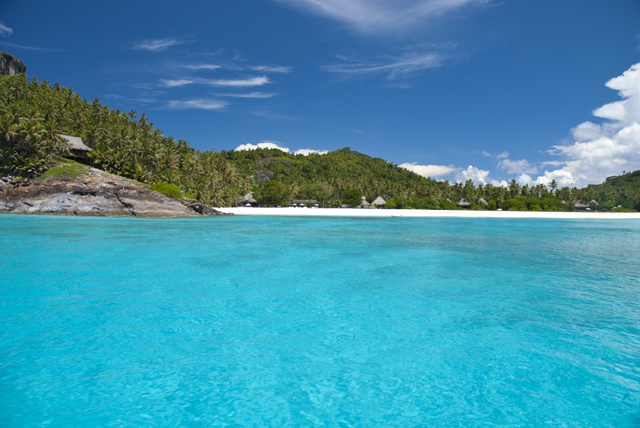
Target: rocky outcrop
(9,65)
(94,193)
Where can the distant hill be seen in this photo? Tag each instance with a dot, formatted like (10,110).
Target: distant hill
(328,176)
(622,191)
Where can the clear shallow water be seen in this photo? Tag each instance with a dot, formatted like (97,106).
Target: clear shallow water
(319,322)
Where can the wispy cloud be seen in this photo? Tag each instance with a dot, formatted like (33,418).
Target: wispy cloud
(176,83)
(375,16)
(503,155)
(30,48)
(256,95)
(201,104)
(392,67)
(197,67)
(272,69)
(202,66)
(4,30)
(157,45)
(240,83)
(272,115)
(227,83)
(520,166)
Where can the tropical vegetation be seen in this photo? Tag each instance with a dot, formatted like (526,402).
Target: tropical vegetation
(34,115)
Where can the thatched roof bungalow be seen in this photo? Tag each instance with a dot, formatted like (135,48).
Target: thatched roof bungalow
(248,200)
(77,149)
(379,202)
(463,203)
(364,204)
(579,205)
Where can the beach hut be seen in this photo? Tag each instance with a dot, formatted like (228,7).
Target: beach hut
(248,200)
(379,202)
(463,203)
(483,202)
(579,205)
(77,149)
(364,204)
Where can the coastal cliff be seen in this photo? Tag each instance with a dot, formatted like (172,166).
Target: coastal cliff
(92,193)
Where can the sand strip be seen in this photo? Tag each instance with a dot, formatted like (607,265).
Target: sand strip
(351,212)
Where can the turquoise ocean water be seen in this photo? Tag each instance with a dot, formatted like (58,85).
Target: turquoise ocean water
(242,321)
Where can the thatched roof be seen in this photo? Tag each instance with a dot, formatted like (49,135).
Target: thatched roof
(364,203)
(463,203)
(379,201)
(75,143)
(248,198)
(483,201)
(581,205)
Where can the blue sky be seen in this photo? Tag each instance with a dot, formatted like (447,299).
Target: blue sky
(454,89)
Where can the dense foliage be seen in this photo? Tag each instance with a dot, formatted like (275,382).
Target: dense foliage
(33,116)
(343,176)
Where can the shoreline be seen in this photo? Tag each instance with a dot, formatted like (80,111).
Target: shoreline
(383,213)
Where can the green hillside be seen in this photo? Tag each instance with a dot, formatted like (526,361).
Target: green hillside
(33,115)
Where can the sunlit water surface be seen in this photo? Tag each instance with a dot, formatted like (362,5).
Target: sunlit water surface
(242,321)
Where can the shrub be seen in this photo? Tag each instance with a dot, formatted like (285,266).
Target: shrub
(165,188)
(68,169)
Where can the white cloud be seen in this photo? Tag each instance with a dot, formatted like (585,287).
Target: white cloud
(477,175)
(202,104)
(257,95)
(393,67)
(276,145)
(521,166)
(262,145)
(157,45)
(240,83)
(173,83)
(562,177)
(237,83)
(202,67)
(587,131)
(603,150)
(4,30)
(503,155)
(272,69)
(374,16)
(429,171)
(31,48)
(307,152)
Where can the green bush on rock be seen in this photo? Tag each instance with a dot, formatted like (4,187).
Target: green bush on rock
(167,189)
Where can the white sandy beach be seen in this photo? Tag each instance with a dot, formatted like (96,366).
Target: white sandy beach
(351,212)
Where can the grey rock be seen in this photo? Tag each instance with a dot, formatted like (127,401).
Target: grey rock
(9,65)
(93,193)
